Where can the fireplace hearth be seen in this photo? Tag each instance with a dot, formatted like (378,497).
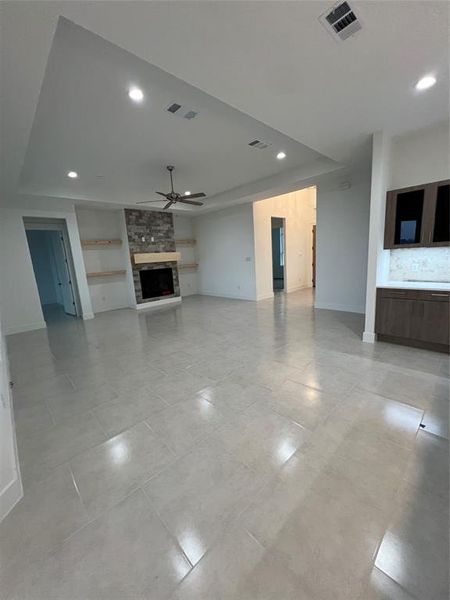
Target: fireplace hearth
(156,283)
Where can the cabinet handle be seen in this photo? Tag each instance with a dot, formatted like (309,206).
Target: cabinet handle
(441,295)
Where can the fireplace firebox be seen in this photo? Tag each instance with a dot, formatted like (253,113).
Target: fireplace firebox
(156,283)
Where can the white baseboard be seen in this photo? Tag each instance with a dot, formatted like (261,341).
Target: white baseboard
(297,288)
(341,307)
(229,296)
(369,337)
(158,303)
(24,328)
(265,296)
(10,496)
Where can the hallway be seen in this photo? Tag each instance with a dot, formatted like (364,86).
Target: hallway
(227,449)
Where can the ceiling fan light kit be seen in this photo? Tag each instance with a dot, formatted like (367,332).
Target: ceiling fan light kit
(173,197)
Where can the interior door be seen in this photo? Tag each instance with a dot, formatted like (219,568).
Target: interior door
(63,272)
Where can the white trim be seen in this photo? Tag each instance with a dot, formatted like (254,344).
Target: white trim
(10,496)
(265,296)
(87,316)
(159,303)
(341,307)
(230,296)
(24,328)
(296,288)
(369,337)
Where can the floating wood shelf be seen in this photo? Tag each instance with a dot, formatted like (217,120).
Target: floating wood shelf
(106,273)
(156,257)
(95,243)
(185,242)
(188,266)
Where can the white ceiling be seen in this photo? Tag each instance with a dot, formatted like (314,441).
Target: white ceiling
(86,122)
(271,60)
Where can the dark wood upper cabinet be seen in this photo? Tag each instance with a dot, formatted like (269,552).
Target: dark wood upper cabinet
(418,216)
(441,215)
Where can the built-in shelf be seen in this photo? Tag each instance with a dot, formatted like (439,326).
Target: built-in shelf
(101,243)
(188,266)
(185,242)
(106,273)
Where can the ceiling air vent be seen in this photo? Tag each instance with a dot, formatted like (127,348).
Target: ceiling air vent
(341,21)
(181,111)
(259,144)
(173,108)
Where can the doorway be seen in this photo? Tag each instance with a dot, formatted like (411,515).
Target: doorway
(53,269)
(278,253)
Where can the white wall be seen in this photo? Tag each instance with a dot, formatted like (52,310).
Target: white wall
(10,482)
(19,293)
(112,292)
(298,210)
(420,157)
(184,230)
(225,251)
(341,252)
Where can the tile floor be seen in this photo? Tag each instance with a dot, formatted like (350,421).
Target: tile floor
(227,450)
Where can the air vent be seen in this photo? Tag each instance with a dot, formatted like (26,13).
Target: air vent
(341,21)
(174,107)
(259,144)
(181,111)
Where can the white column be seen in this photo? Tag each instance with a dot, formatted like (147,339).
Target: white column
(377,259)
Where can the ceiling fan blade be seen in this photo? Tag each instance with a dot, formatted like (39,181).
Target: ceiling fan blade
(199,195)
(168,205)
(162,194)
(190,202)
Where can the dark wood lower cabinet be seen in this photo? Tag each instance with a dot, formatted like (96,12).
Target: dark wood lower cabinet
(414,317)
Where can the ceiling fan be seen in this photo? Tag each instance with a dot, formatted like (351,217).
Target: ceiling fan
(174,197)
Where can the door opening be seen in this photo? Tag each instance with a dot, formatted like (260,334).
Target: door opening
(53,268)
(278,253)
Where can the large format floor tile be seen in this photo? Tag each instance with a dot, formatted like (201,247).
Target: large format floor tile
(227,450)
(126,553)
(110,471)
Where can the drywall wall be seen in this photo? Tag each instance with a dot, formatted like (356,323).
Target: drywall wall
(113,292)
(19,293)
(420,157)
(10,482)
(342,232)
(225,252)
(298,209)
(43,265)
(184,230)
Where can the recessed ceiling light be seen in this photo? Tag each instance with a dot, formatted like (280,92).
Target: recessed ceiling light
(72,174)
(136,94)
(187,193)
(426,82)
(281,155)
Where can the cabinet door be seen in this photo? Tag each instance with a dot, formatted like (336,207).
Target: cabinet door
(394,316)
(431,322)
(439,229)
(406,212)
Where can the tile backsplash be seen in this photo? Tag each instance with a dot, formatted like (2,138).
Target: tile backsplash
(420,264)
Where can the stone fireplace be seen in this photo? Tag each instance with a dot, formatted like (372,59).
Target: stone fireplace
(152,232)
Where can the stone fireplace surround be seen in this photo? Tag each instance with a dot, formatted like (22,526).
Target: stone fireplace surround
(142,226)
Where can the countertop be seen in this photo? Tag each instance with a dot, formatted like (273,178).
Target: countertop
(415,285)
